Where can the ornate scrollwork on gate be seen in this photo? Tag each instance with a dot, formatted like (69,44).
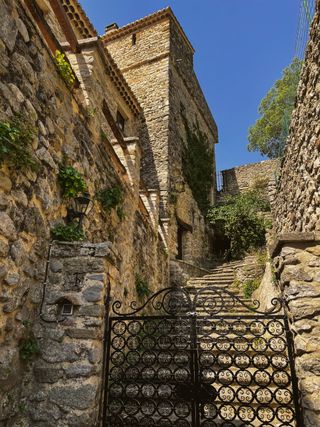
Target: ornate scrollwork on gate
(170,301)
(207,301)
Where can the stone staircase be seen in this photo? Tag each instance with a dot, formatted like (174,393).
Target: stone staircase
(235,376)
(223,276)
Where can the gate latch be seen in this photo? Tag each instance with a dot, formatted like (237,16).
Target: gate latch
(202,393)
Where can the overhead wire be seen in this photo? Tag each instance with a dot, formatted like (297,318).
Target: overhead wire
(306,13)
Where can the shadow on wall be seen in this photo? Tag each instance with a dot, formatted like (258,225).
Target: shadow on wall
(148,166)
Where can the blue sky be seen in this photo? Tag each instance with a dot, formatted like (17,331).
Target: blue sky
(241,48)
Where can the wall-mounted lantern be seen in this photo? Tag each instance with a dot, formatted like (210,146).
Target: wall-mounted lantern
(81,206)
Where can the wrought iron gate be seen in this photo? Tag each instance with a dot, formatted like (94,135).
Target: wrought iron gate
(201,359)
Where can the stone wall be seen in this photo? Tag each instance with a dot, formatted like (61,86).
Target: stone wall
(296,249)
(297,267)
(157,61)
(70,127)
(64,385)
(242,178)
(297,204)
(145,65)
(187,104)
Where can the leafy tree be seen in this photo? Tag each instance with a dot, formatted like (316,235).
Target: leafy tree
(240,220)
(268,135)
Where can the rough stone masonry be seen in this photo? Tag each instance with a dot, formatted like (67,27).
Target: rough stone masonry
(296,210)
(51,362)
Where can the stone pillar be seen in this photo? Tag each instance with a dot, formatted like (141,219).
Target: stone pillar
(130,159)
(67,374)
(150,199)
(164,231)
(297,266)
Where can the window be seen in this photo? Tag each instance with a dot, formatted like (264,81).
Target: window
(67,309)
(134,39)
(120,121)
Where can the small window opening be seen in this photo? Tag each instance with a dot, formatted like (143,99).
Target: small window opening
(134,39)
(120,121)
(67,308)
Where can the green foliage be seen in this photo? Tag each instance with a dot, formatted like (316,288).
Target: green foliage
(28,347)
(260,185)
(249,286)
(239,220)
(165,252)
(262,258)
(268,135)
(91,112)
(22,407)
(120,213)
(71,181)
(198,165)
(65,68)
(142,287)
(16,136)
(111,198)
(68,233)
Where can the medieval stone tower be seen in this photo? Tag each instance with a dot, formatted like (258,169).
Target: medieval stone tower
(156,59)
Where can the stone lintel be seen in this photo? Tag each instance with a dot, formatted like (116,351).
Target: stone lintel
(129,141)
(83,43)
(293,237)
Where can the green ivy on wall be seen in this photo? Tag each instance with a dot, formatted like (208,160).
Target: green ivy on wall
(16,136)
(68,233)
(142,287)
(112,198)
(65,68)
(71,181)
(197,164)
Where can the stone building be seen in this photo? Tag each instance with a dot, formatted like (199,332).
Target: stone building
(117,137)
(156,59)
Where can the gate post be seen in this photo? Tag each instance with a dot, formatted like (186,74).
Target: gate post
(67,373)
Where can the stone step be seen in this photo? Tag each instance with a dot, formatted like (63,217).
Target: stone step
(213,280)
(215,277)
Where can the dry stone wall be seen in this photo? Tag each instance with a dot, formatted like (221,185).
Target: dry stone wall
(297,267)
(66,130)
(296,250)
(297,203)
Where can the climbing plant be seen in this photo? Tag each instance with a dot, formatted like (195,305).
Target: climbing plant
(249,286)
(142,287)
(65,68)
(240,220)
(71,181)
(198,164)
(68,233)
(16,136)
(112,198)
(28,345)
